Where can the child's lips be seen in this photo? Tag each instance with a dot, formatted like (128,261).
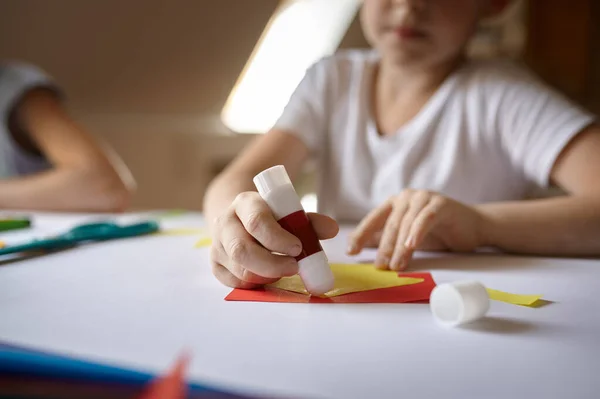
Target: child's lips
(406,32)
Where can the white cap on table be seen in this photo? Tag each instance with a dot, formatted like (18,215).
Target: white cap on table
(459,303)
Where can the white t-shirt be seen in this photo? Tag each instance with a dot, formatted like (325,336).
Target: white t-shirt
(16,79)
(491,132)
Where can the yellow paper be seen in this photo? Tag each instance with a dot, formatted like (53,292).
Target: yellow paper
(351,278)
(203,243)
(171,213)
(182,232)
(515,299)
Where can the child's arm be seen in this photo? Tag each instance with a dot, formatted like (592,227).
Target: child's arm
(274,148)
(245,233)
(82,178)
(568,225)
(530,124)
(558,226)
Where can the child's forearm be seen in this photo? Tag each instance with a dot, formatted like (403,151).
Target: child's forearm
(274,148)
(556,226)
(64,189)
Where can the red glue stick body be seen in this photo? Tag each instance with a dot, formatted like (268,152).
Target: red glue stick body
(275,187)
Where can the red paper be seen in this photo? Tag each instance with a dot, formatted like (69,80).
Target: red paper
(419,292)
(171,386)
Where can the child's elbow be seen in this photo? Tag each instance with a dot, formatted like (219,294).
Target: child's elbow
(120,198)
(114,192)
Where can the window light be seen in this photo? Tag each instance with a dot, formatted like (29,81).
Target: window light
(299,33)
(309,202)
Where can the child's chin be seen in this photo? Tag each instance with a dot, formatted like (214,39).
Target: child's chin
(409,54)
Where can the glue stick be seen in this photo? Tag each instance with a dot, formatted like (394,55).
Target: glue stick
(276,189)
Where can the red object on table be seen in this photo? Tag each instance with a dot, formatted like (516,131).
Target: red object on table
(171,386)
(407,293)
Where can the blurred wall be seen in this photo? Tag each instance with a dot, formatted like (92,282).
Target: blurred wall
(151,76)
(562,47)
(148,76)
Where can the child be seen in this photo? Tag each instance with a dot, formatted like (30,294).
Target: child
(423,148)
(47,162)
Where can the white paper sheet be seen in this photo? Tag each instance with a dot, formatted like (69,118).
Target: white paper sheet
(142,301)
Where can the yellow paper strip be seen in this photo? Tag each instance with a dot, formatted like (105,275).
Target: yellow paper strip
(515,299)
(171,213)
(203,242)
(182,232)
(351,278)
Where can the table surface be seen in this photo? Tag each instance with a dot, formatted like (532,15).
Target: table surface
(140,302)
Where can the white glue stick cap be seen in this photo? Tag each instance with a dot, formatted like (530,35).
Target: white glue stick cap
(270,179)
(316,274)
(459,303)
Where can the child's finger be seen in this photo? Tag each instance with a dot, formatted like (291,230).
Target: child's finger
(424,222)
(421,226)
(227,278)
(374,241)
(418,202)
(248,280)
(324,226)
(401,251)
(259,222)
(390,235)
(245,255)
(370,225)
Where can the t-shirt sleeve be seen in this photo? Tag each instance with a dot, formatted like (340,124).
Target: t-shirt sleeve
(16,79)
(535,122)
(305,114)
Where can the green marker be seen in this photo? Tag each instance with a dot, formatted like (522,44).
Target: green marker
(14,224)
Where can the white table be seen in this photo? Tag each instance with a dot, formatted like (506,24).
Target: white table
(140,302)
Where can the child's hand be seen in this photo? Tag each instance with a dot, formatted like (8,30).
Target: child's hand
(417,220)
(245,237)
